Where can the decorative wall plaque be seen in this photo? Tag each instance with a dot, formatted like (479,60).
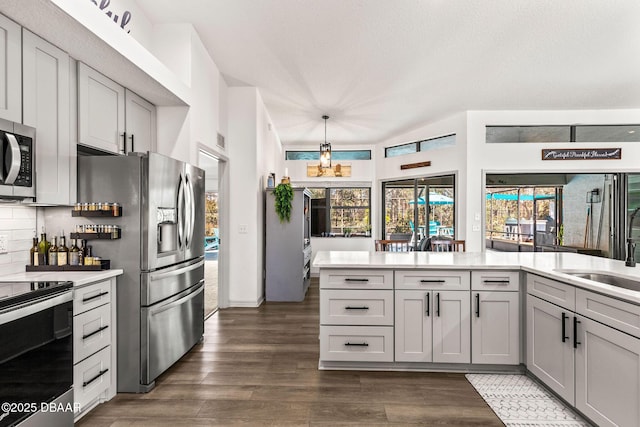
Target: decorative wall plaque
(339,170)
(415,165)
(582,154)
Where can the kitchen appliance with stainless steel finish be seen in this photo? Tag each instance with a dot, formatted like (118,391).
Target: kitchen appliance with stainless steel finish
(161,250)
(17,158)
(36,354)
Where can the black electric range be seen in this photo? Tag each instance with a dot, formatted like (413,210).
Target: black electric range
(14,293)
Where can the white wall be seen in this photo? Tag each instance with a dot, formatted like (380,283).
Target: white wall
(18,224)
(518,157)
(444,161)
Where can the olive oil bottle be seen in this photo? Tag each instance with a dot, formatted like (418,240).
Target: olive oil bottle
(53,252)
(63,251)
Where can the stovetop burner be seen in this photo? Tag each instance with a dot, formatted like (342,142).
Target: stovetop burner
(12,293)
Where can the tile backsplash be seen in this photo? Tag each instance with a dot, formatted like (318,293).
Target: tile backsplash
(18,224)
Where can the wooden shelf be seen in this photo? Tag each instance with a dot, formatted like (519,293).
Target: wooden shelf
(94,236)
(100,213)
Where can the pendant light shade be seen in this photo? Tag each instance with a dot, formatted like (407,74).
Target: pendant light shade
(325,148)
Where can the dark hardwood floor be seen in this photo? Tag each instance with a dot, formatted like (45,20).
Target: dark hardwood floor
(259,367)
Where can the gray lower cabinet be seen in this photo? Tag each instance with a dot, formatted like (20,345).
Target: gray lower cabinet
(495,327)
(607,364)
(432,326)
(550,346)
(590,355)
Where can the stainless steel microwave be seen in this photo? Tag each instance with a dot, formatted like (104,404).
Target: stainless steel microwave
(17,161)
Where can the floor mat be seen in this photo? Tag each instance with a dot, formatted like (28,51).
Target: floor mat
(521,402)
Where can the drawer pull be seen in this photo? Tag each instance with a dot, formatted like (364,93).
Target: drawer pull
(357,344)
(504,282)
(86,383)
(97,331)
(364,307)
(101,294)
(355,280)
(432,281)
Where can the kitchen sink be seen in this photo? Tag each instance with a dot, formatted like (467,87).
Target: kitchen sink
(609,279)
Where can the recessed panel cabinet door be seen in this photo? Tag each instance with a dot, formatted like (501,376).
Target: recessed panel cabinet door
(100,111)
(495,328)
(10,70)
(140,123)
(451,327)
(46,108)
(607,375)
(550,346)
(413,336)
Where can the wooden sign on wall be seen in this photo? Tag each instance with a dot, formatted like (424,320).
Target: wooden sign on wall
(582,154)
(415,165)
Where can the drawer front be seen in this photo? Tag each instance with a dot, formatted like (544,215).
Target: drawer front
(610,311)
(438,280)
(91,332)
(356,279)
(356,343)
(92,377)
(495,280)
(356,307)
(550,290)
(91,296)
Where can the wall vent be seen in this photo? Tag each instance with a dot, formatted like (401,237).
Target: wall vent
(220,140)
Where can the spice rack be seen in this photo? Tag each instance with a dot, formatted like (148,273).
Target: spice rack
(113,211)
(94,236)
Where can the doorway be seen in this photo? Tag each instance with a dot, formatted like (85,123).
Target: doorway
(212,242)
(418,208)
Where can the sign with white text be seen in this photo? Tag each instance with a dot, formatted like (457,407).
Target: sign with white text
(582,154)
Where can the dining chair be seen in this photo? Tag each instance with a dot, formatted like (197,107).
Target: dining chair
(392,246)
(446,245)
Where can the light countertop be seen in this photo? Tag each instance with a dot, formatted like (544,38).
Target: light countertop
(78,278)
(541,263)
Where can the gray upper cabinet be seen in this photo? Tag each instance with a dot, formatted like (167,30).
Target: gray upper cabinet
(112,118)
(10,71)
(140,123)
(46,104)
(100,111)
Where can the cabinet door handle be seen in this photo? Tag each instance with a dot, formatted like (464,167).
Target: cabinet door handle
(426,303)
(101,294)
(133,147)
(564,327)
(575,332)
(364,307)
(86,383)
(124,143)
(355,280)
(438,304)
(432,281)
(97,331)
(357,344)
(477,305)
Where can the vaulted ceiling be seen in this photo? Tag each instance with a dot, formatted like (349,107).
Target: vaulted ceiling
(383,67)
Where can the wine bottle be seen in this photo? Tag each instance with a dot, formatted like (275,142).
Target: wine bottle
(83,251)
(63,251)
(43,249)
(53,252)
(33,253)
(74,254)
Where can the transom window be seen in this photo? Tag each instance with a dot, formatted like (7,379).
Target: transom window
(423,145)
(563,133)
(335,155)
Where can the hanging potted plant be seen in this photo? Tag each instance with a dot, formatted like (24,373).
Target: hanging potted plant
(284,196)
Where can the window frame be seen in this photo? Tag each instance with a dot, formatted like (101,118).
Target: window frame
(333,153)
(417,145)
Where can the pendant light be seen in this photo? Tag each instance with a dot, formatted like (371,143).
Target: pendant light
(325,148)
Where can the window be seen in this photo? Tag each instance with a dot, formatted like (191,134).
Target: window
(340,211)
(424,145)
(566,133)
(335,155)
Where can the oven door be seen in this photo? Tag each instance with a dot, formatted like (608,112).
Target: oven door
(36,361)
(169,329)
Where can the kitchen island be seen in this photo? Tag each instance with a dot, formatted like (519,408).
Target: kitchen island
(537,313)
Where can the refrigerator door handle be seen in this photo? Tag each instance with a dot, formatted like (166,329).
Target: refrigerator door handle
(177,272)
(180,203)
(192,210)
(157,310)
(188,211)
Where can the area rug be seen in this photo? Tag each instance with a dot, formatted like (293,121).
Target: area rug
(520,402)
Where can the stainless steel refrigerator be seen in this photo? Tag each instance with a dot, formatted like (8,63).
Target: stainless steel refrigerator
(160,296)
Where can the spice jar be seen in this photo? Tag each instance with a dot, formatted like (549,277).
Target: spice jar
(77,207)
(106,206)
(115,209)
(93,206)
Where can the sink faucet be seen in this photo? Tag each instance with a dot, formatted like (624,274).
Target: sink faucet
(631,246)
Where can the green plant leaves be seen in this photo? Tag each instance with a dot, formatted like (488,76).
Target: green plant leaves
(284,196)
